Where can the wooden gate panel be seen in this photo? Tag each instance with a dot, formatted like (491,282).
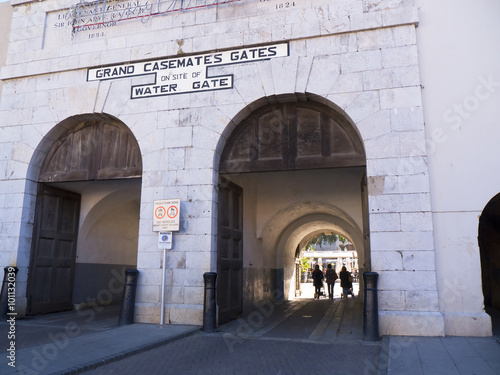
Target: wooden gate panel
(230,251)
(50,279)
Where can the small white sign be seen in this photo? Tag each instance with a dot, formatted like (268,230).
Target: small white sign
(165,240)
(166,215)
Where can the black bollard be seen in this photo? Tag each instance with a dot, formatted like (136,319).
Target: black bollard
(370,313)
(128,300)
(209,306)
(9,282)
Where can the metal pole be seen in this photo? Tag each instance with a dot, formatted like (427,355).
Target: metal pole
(370,313)
(209,306)
(162,310)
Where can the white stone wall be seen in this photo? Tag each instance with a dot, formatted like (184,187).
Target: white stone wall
(461,79)
(360,55)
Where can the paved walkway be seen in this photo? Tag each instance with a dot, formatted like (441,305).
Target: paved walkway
(296,337)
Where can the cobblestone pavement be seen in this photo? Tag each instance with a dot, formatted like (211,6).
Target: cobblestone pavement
(216,354)
(297,337)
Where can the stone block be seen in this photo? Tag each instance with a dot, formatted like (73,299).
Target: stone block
(407,118)
(343,100)
(194,243)
(397,241)
(408,323)
(198,259)
(179,137)
(385,146)
(341,8)
(176,259)
(334,25)
(375,39)
(391,300)
(194,295)
(186,314)
(406,76)
(418,300)
(412,143)
(149,260)
(416,221)
(147,313)
(399,56)
(348,82)
(361,61)
(404,35)
(175,294)
(324,71)
(365,21)
(413,184)
(467,324)
(397,166)
(195,176)
(284,68)
(205,138)
(401,97)
(201,226)
(407,280)
(386,261)
(401,16)
(199,158)
(365,105)
(375,125)
(390,222)
(379,5)
(148,294)
(188,277)
(419,260)
(377,79)
(304,66)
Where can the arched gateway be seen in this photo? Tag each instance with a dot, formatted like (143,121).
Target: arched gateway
(317,161)
(87,214)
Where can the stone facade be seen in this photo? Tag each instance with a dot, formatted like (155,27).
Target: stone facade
(360,57)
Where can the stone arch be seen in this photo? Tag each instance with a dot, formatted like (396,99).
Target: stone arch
(489,248)
(78,158)
(308,226)
(241,159)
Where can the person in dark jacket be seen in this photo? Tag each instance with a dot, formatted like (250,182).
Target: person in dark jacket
(330,276)
(317,277)
(346,282)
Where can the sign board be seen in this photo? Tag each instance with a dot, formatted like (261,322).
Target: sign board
(165,240)
(185,74)
(166,215)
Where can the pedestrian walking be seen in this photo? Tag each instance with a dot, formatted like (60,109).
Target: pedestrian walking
(346,282)
(331,276)
(317,277)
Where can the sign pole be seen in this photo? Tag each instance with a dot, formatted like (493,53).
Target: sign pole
(162,319)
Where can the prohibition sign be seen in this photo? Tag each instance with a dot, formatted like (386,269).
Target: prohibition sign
(160,212)
(172,212)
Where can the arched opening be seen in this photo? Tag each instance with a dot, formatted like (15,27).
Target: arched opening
(86,223)
(288,170)
(489,247)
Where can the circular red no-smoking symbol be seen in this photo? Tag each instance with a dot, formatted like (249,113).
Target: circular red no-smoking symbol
(160,212)
(172,212)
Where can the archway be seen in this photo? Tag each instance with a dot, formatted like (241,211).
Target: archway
(489,246)
(87,215)
(282,163)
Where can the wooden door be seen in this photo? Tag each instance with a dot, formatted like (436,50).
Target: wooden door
(230,251)
(52,264)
